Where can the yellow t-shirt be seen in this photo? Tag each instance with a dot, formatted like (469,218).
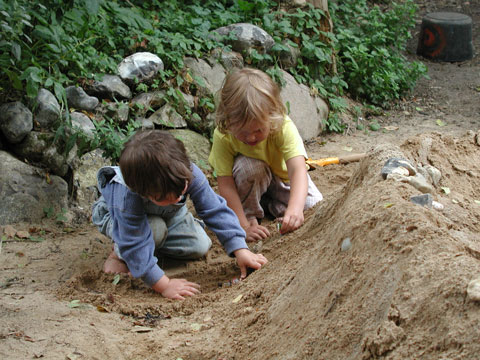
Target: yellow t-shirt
(275,150)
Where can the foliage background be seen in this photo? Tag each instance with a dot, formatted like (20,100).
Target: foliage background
(54,43)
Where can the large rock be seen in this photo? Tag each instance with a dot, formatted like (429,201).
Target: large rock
(47,110)
(79,99)
(142,66)
(85,178)
(16,121)
(110,87)
(27,192)
(208,78)
(247,37)
(308,113)
(197,146)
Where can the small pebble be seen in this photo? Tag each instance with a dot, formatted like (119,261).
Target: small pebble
(437,206)
(473,290)
(346,244)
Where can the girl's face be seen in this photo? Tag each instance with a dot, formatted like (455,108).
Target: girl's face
(252,133)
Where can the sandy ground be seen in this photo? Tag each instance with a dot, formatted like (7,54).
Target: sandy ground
(399,291)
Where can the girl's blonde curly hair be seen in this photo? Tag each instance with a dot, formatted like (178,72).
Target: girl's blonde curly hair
(249,95)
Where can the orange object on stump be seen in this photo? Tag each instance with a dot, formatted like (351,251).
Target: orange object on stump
(446,36)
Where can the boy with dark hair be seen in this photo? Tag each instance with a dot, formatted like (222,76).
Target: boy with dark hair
(142,209)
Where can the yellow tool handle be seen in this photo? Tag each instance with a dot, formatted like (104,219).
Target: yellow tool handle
(335,160)
(323,162)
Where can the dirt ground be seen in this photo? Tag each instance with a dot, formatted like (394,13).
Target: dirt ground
(399,291)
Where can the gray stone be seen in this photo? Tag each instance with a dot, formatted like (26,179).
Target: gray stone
(473,290)
(85,178)
(209,79)
(82,122)
(420,183)
(434,173)
(394,163)
(197,146)
(229,59)
(38,147)
(247,37)
(346,244)
(288,58)
(143,66)
(110,87)
(78,99)
(168,117)
(26,192)
(423,200)
(47,110)
(303,108)
(16,121)
(144,102)
(146,124)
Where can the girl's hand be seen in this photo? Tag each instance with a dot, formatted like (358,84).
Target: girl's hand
(256,232)
(247,259)
(175,288)
(291,221)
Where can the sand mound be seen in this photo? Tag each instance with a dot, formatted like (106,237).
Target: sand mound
(400,290)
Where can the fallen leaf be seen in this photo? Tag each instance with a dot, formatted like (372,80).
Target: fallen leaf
(23,234)
(10,231)
(446,190)
(418,108)
(76,304)
(391,128)
(116,279)
(440,122)
(347,148)
(237,299)
(196,327)
(102,309)
(455,201)
(388,205)
(141,329)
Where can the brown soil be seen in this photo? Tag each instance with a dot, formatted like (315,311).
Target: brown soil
(399,292)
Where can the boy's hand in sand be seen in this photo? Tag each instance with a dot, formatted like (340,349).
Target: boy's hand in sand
(175,288)
(247,259)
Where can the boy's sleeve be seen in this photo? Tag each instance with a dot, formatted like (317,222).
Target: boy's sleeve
(213,210)
(132,233)
(222,154)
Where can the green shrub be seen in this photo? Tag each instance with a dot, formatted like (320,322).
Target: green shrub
(54,44)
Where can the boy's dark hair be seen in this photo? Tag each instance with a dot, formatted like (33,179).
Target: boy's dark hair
(154,163)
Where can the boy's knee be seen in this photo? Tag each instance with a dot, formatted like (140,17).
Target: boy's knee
(201,248)
(159,229)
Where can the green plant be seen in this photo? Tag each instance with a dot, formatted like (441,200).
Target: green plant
(110,137)
(52,45)
(370,42)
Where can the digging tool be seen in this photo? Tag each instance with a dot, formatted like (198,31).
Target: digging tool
(335,160)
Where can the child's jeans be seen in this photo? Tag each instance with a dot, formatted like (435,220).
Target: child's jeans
(176,232)
(260,189)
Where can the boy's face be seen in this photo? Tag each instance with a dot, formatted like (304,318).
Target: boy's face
(252,133)
(169,200)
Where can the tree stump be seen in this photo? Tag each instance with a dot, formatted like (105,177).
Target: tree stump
(446,36)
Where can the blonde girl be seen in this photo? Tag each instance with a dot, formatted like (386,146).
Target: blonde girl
(259,156)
